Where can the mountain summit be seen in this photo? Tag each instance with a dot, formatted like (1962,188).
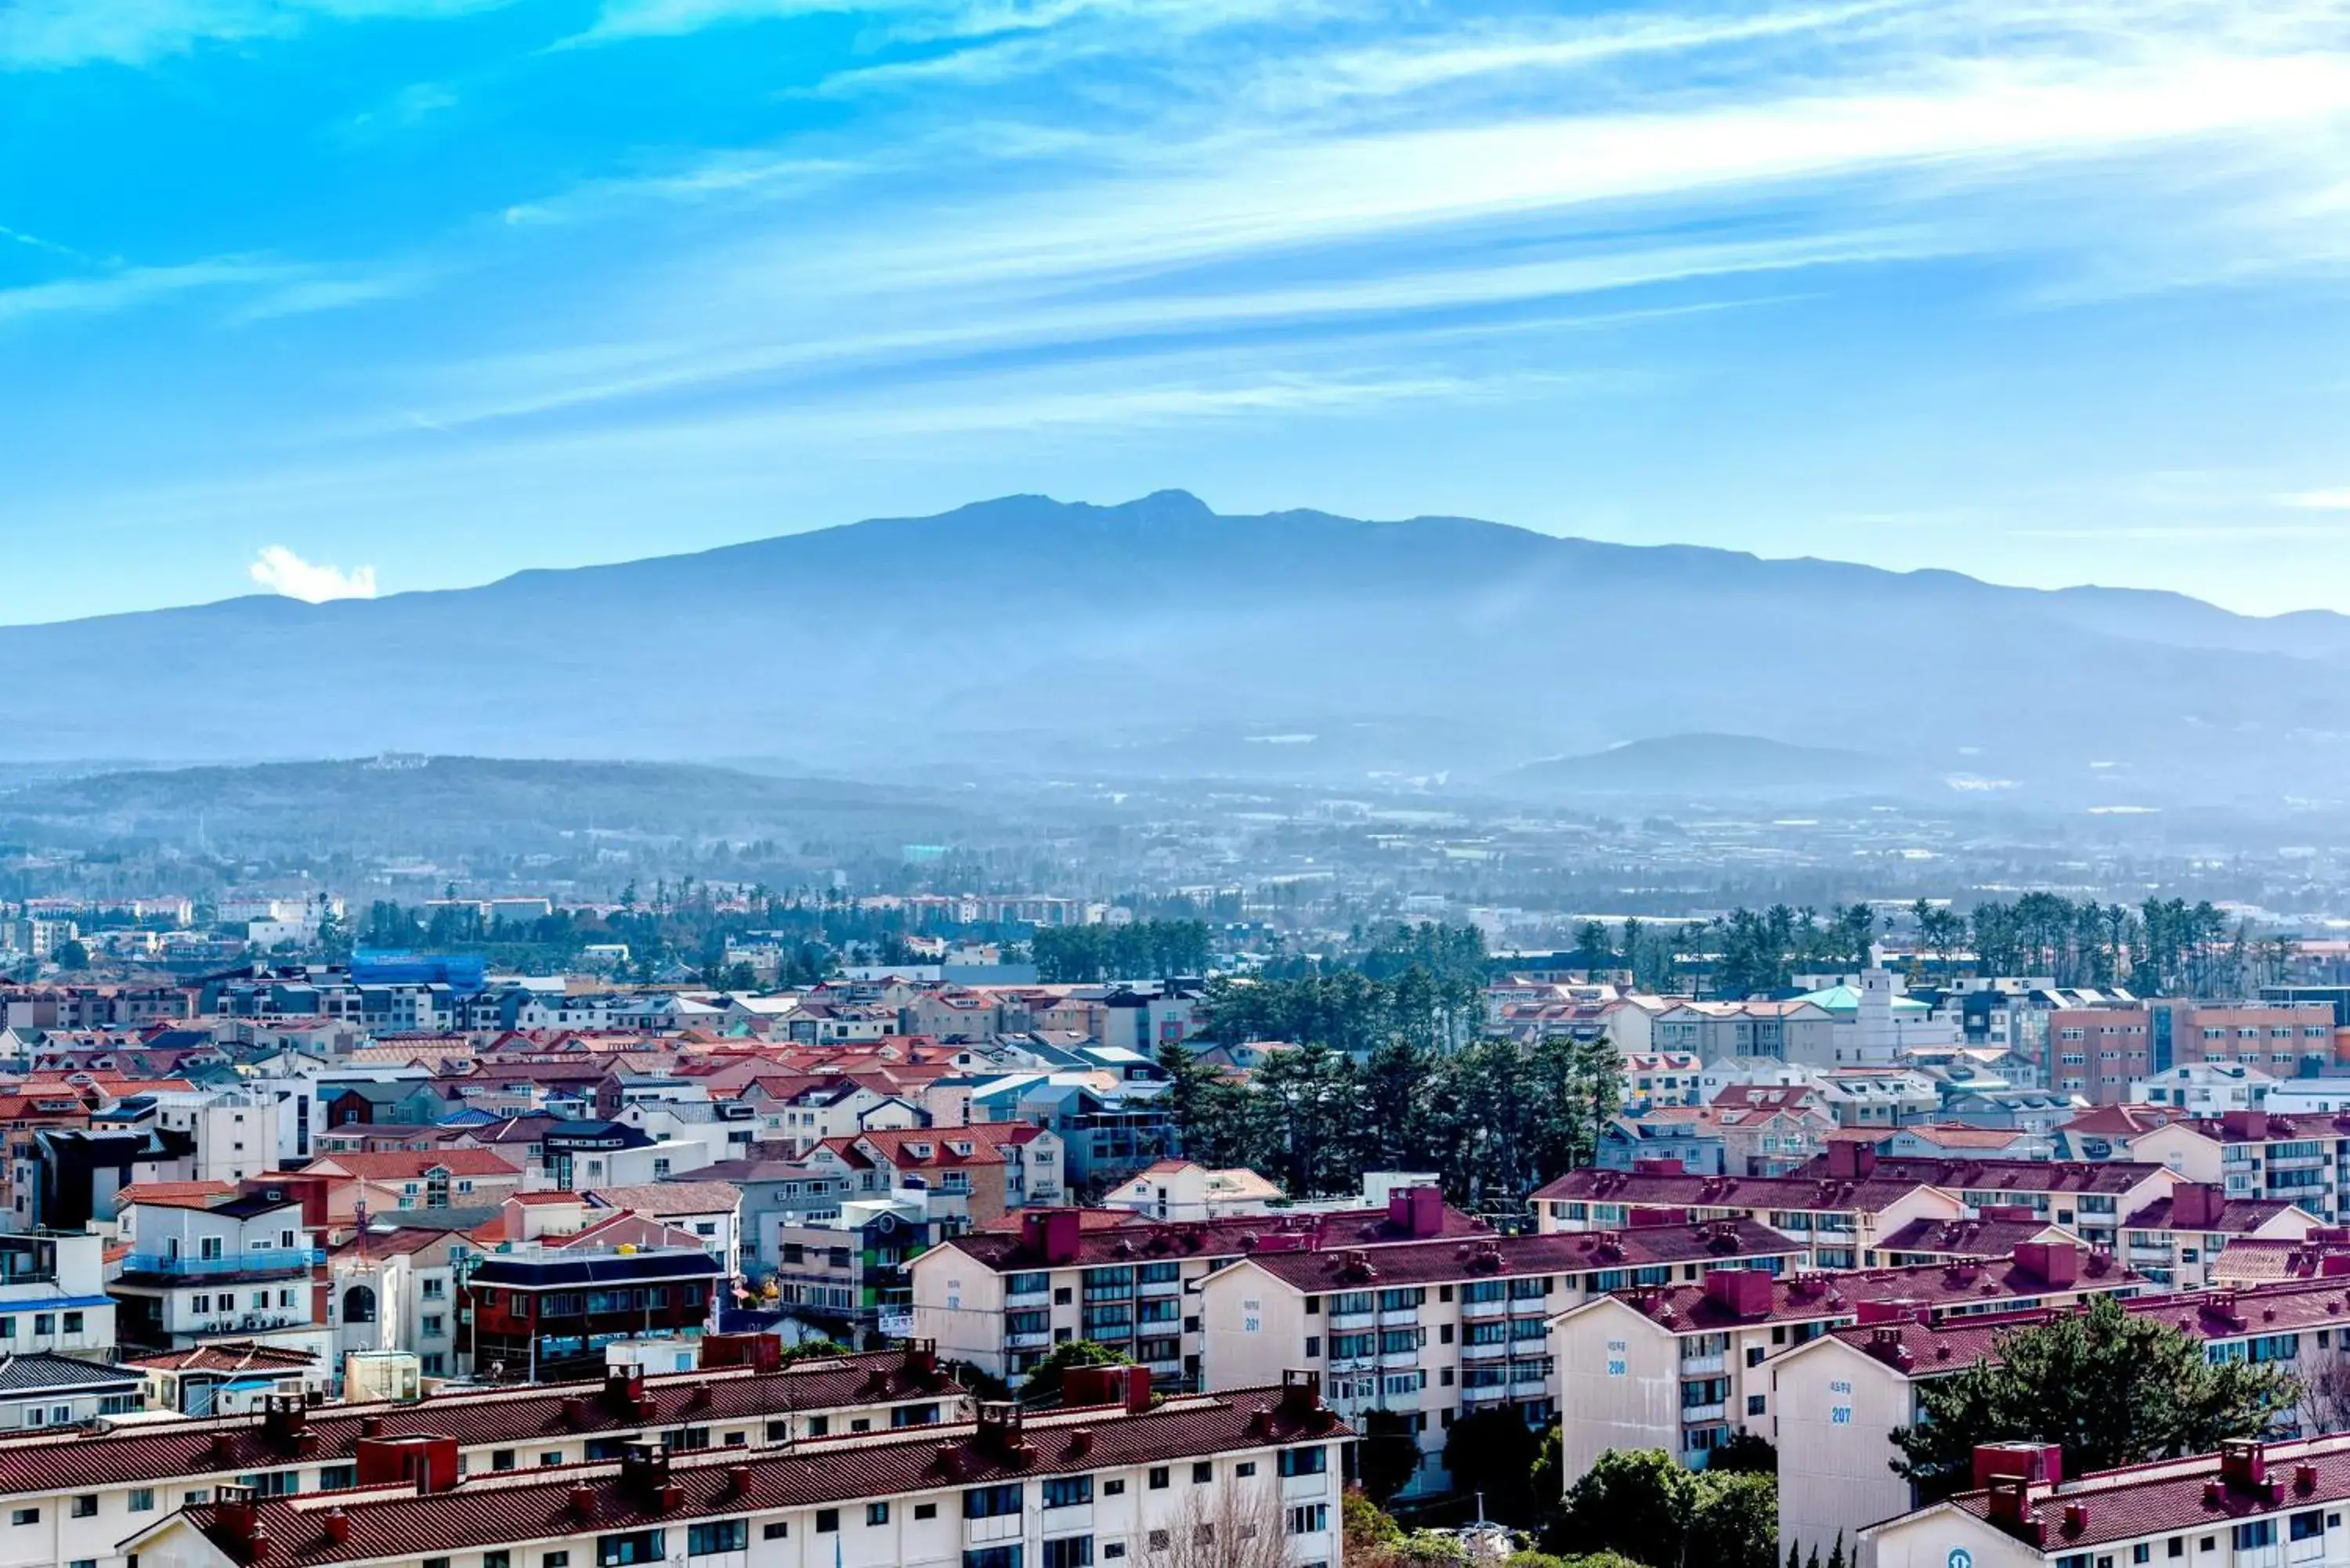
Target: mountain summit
(1161,636)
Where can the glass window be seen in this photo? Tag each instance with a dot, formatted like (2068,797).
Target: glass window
(877,1514)
(636,1546)
(1069,1491)
(718,1535)
(827,1520)
(1069,1552)
(989,1501)
(1304,1461)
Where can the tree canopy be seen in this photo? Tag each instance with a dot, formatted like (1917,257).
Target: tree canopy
(1642,1503)
(2113,1387)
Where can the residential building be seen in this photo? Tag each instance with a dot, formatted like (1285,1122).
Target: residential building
(1436,1329)
(1171,1190)
(1683,1367)
(84,1493)
(1000,1300)
(535,1311)
(1102,1482)
(2249,1505)
(236,1268)
(711,1211)
(53,1297)
(41,1391)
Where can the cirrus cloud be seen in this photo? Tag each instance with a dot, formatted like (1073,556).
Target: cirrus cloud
(281,571)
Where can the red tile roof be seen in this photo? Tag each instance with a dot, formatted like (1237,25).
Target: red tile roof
(1932,1289)
(408,1165)
(2174,1496)
(1507,1257)
(135,1454)
(1006,1251)
(493,1510)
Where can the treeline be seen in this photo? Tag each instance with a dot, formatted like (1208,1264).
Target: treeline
(1494,1119)
(1141,949)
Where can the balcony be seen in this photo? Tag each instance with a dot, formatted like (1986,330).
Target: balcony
(1702,1366)
(1162,1287)
(1030,1298)
(1484,1309)
(989,1532)
(1499,1391)
(1362,1363)
(1530,1306)
(1497,1351)
(1075,1519)
(1699,1414)
(1340,1322)
(1400,1357)
(1304,1489)
(1400,1318)
(272,1261)
(1028,1341)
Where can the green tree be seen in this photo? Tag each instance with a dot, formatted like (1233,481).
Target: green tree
(1388,1454)
(71,955)
(1493,1452)
(2113,1387)
(1638,1501)
(1043,1384)
(1737,1521)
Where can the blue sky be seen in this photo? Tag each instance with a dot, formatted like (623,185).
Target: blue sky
(384,294)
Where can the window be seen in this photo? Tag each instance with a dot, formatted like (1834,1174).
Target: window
(436,1562)
(25,1516)
(636,1546)
(775,1531)
(1069,1491)
(1202,1472)
(1754,1404)
(926,1511)
(1113,1488)
(1069,1552)
(718,1535)
(2253,1534)
(502,1459)
(993,1557)
(990,1502)
(498,1559)
(1245,1468)
(2307,1526)
(73,1322)
(86,1506)
(1304,1461)
(142,1500)
(877,1514)
(1159,1477)
(1309,1519)
(556,1560)
(827,1520)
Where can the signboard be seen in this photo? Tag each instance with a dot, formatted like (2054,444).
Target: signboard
(897,1324)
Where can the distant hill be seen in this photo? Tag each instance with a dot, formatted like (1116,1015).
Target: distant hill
(1158,637)
(1698,765)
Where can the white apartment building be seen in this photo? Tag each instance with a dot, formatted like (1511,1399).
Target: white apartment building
(1091,1487)
(240,1270)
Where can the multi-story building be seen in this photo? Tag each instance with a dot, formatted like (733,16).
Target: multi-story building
(1843,1217)
(1099,1483)
(534,1311)
(80,1497)
(53,1297)
(1683,1367)
(1837,1399)
(975,1175)
(1435,1330)
(2250,1505)
(1789,1031)
(235,1268)
(2099,1052)
(1001,1300)
(397,1290)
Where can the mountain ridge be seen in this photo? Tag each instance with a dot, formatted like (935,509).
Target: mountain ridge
(1034,635)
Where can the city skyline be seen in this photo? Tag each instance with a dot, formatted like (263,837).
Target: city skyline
(373,297)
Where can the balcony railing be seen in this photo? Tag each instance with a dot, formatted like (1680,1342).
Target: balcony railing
(273,1260)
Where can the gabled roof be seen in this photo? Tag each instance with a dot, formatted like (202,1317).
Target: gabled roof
(658,1197)
(408,1165)
(1716,1244)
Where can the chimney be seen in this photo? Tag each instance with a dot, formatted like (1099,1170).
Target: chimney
(2035,1464)
(1126,1386)
(2241,1124)
(2009,1508)
(1417,1212)
(999,1431)
(1301,1392)
(1053,1235)
(738,1481)
(583,1500)
(1851,1161)
(1744,1292)
(644,1472)
(2195,1205)
(236,1513)
(426,1459)
(2243,1464)
(575,1410)
(761,1351)
(623,1388)
(285,1417)
(370,1425)
(1081,1441)
(2056,1263)
(922,1360)
(338,1526)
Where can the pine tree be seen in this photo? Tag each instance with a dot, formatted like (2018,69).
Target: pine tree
(1836,1557)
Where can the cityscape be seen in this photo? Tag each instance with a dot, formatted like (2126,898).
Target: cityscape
(1174,783)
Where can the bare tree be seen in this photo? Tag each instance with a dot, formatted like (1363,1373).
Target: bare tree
(1243,1526)
(2325,1402)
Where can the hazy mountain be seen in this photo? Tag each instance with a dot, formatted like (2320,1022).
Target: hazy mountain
(1737,764)
(1158,637)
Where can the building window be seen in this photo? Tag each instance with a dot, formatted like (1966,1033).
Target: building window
(718,1535)
(877,1514)
(1304,1461)
(1309,1519)
(775,1531)
(993,1501)
(25,1516)
(926,1511)
(1069,1491)
(1159,1477)
(827,1519)
(1069,1552)
(86,1507)
(1202,1472)
(142,1500)
(636,1546)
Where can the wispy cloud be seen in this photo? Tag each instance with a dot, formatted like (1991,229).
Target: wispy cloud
(281,571)
(57,33)
(131,287)
(2318,500)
